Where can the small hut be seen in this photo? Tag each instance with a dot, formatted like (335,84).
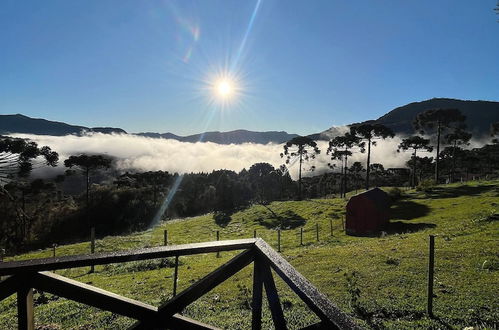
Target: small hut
(367,212)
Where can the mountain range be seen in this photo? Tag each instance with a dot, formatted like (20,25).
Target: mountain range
(479,116)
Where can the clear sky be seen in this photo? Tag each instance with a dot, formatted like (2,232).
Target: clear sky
(300,66)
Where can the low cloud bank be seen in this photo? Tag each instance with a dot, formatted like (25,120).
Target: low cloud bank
(137,153)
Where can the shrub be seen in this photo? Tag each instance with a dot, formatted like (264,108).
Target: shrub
(426,185)
(394,193)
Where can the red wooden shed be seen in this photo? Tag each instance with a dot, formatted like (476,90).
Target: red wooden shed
(367,212)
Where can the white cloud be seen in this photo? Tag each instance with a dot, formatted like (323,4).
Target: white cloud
(148,154)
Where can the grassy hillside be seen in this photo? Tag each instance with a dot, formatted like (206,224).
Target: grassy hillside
(379,280)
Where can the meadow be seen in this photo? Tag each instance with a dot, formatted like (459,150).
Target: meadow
(380,281)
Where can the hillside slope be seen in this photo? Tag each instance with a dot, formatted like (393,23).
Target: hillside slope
(26,125)
(479,116)
(388,272)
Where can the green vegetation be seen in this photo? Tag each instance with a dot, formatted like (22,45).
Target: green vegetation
(379,280)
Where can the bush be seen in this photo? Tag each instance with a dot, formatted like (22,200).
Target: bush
(394,193)
(426,185)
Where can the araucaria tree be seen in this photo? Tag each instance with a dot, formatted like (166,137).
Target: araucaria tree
(456,139)
(369,133)
(340,148)
(19,156)
(437,121)
(87,164)
(301,149)
(414,143)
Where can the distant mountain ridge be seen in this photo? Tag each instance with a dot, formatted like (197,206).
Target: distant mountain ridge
(26,125)
(236,137)
(10,124)
(479,116)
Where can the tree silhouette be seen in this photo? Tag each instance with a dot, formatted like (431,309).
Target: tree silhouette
(87,164)
(301,149)
(339,149)
(18,157)
(356,169)
(436,121)
(378,170)
(368,133)
(414,143)
(455,139)
(494,131)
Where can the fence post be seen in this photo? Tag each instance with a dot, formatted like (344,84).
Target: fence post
(278,240)
(25,309)
(165,237)
(254,233)
(331,224)
(2,253)
(218,238)
(175,277)
(431,268)
(301,236)
(92,246)
(317,230)
(53,250)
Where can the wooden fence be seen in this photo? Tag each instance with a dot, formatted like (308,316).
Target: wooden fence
(23,276)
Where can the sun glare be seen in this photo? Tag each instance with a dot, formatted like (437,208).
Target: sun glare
(224,88)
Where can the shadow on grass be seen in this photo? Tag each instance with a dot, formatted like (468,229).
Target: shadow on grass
(400,227)
(284,220)
(223,218)
(464,190)
(408,210)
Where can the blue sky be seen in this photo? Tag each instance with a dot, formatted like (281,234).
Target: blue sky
(302,66)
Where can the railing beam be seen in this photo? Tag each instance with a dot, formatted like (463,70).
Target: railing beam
(86,294)
(330,314)
(273,297)
(38,265)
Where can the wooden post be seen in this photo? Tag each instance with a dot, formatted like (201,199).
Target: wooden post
(256,304)
(301,236)
(254,233)
(2,253)
(53,250)
(165,237)
(25,317)
(218,238)
(431,268)
(331,224)
(92,246)
(278,240)
(317,231)
(175,277)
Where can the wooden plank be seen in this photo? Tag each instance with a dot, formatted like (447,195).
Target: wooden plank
(316,326)
(184,323)
(328,312)
(256,304)
(92,296)
(25,311)
(176,322)
(207,283)
(9,286)
(273,297)
(37,265)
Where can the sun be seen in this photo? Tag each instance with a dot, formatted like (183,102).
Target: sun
(224,88)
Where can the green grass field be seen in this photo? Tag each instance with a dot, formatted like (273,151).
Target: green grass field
(381,281)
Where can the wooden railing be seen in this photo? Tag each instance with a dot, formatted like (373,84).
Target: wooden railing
(29,274)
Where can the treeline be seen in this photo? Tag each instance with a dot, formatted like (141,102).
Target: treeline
(40,212)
